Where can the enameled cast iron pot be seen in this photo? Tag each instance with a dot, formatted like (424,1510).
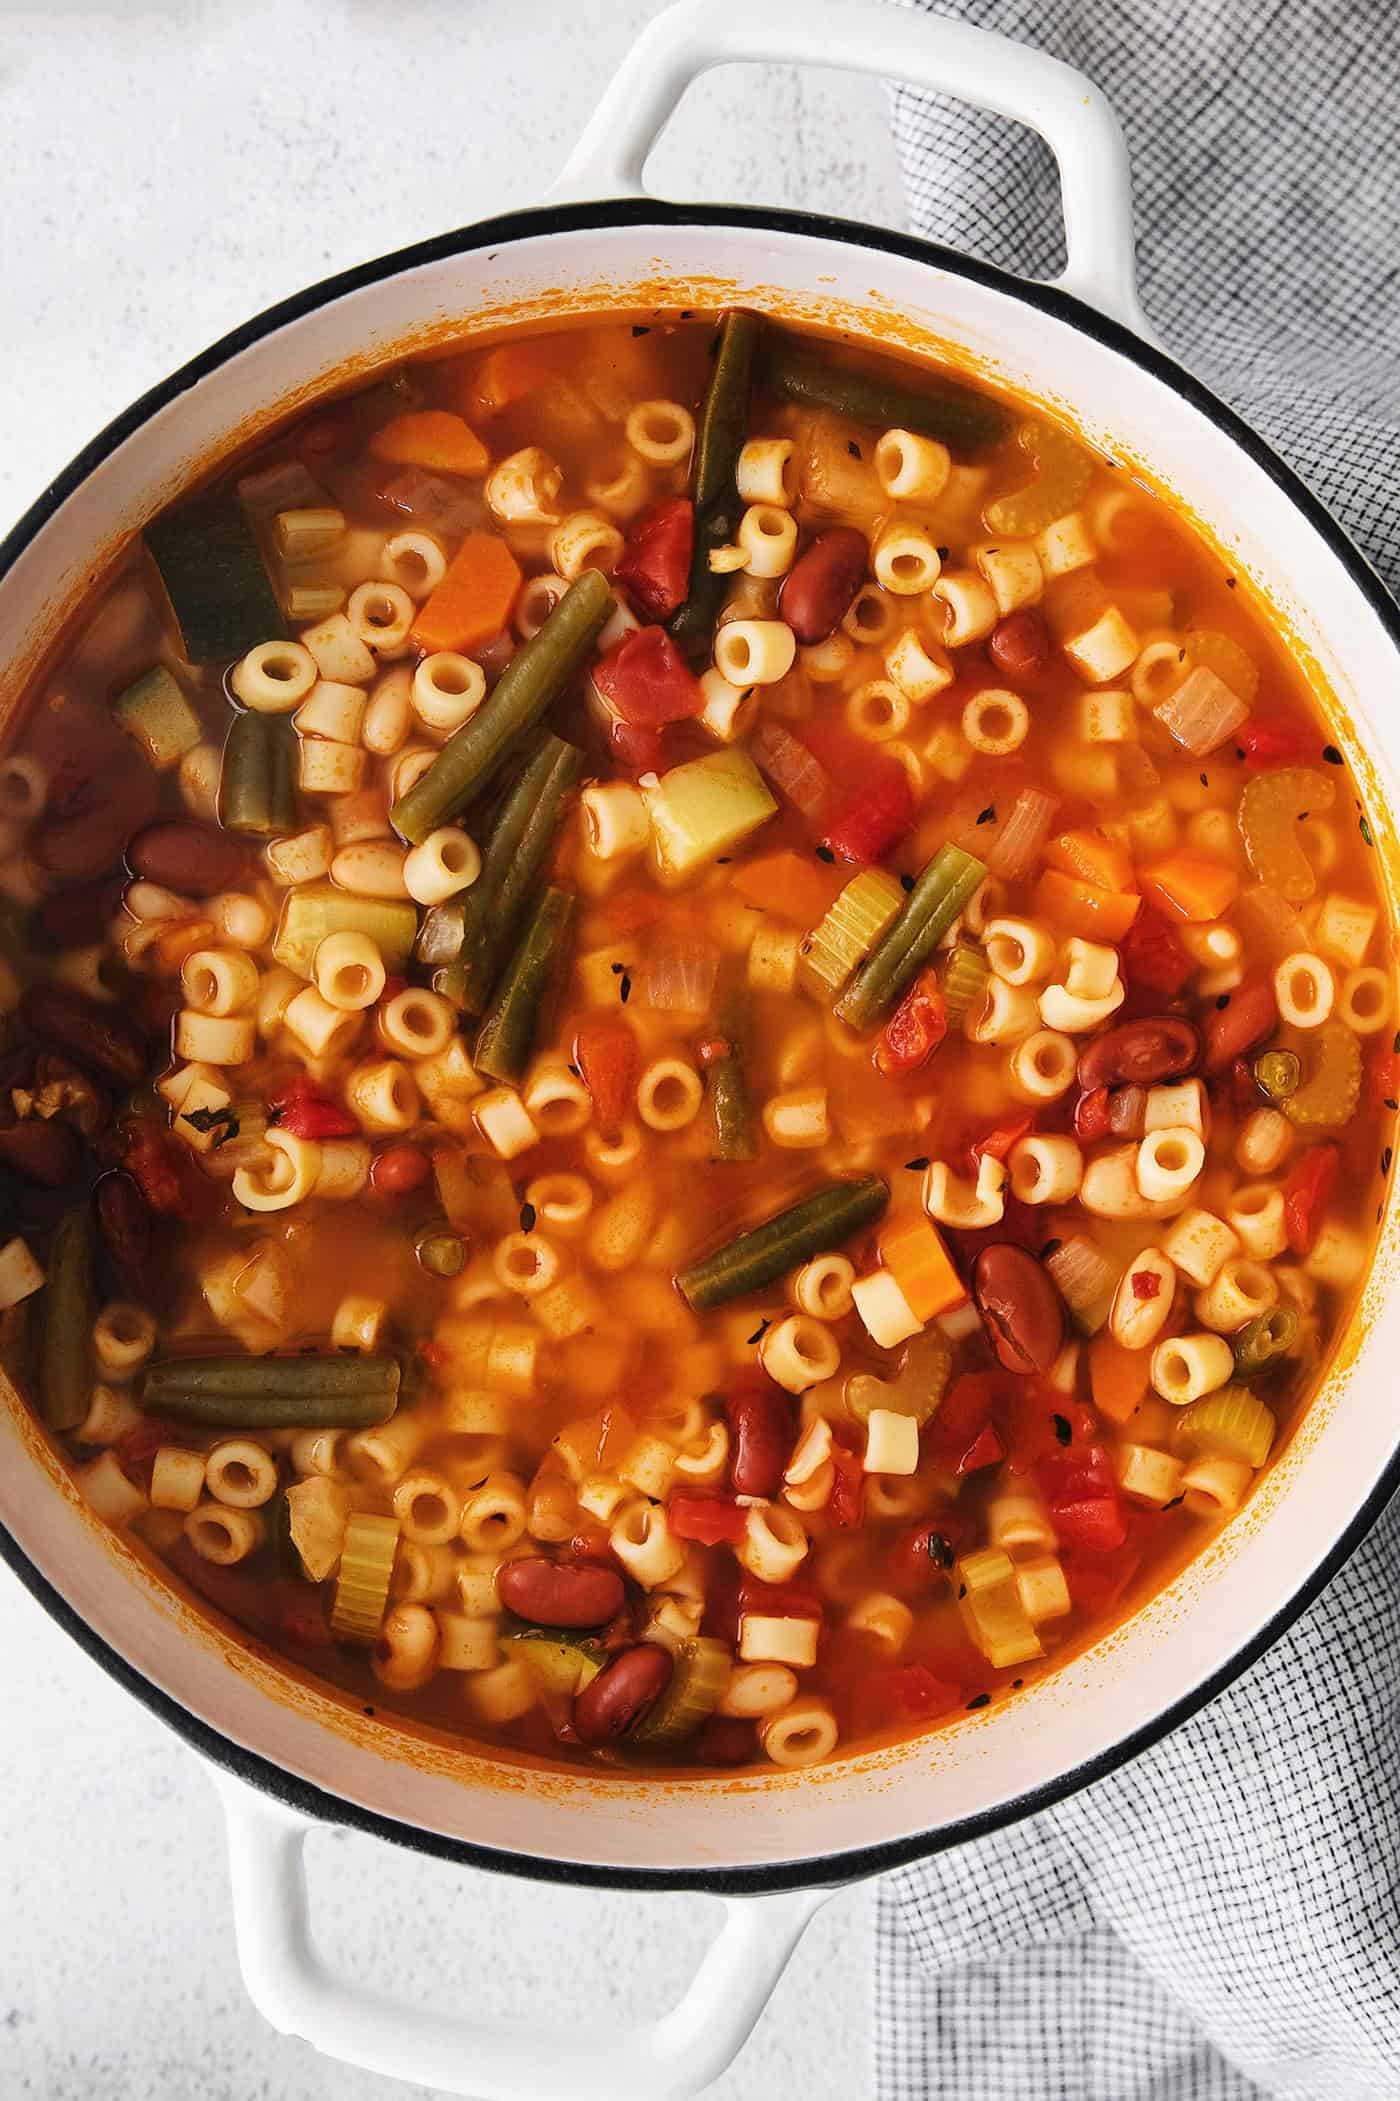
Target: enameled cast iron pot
(286,1754)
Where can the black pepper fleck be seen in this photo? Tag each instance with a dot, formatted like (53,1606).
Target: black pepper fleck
(942,553)
(617,969)
(824,853)
(624,990)
(1386,1157)
(981,1699)
(1205,780)
(527,1218)
(1174,1501)
(1051,1247)
(962,1590)
(1017,1683)
(759,1332)
(906,882)
(1331,754)
(1063,1432)
(1390,1103)
(641,329)
(1366,833)
(987,816)
(854,449)
(939,1551)
(1222,1003)
(1229,583)
(917,1166)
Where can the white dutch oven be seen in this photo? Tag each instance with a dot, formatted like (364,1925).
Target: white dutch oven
(286,1754)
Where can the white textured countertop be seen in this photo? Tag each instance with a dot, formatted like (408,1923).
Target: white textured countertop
(168,170)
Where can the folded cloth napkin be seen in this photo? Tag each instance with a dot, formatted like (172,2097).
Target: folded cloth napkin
(1220,1919)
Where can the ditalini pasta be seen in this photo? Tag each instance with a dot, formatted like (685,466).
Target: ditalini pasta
(697,1055)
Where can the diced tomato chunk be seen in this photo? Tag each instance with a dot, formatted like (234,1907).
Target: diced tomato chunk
(1306,1195)
(647,681)
(637,750)
(1383,1079)
(1276,740)
(1147,1284)
(1152,958)
(655,563)
(875,818)
(998,1143)
(912,1689)
(986,1449)
(605,1052)
(707,1518)
(1091,1116)
(317,1119)
(779,1601)
(964,1414)
(927,1552)
(1098,1580)
(1081,1494)
(915,1029)
(1098,1524)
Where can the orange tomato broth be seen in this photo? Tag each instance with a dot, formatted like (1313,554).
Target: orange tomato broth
(1139,826)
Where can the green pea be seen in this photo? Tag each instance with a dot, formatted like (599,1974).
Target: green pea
(441,1253)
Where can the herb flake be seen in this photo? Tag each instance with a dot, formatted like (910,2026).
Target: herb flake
(224,1121)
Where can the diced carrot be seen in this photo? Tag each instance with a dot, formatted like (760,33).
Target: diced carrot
(786,883)
(1083,908)
(473,602)
(181,940)
(1117,1378)
(1192,885)
(431,438)
(1093,858)
(913,1252)
(512,372)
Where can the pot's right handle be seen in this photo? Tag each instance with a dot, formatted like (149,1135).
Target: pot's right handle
(474,2051)
(929,51)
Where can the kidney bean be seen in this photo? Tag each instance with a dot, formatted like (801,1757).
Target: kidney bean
(760,1424)
(551,1594)
(727,1739)
(127,1225)
(1127,1112)
(621,1693)
(1023,1312)
(77,918)
(1235,1028)
(43,1150)
(99,1038)
(1019,645)
(90,816)
(1159,1047)
(818,589)
(398,1170)
(193,859)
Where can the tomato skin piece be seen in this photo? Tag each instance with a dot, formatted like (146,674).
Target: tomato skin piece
(307,1111)
(647,681)
(655,562)
(605,1052)
(998,1143)
(986,1449)
(1306,1195)
(638,751)
(1383,1079)
(1276,740)
(912,1690)
(914,1030)
(876,817)
(782,1601)
(1091,1116)
(709,1519)
(846,1504)
(957,1431)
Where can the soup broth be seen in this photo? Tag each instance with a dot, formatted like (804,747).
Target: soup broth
(700,1044)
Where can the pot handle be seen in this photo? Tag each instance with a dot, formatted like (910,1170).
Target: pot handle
(929,51)
(471,2052)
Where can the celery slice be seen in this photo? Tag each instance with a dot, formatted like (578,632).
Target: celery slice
(156,713)
(991,1608)
(702,1668)
(706,807)
(362,1586)
(965,975)
(1230,1424)
(316,910)
(862,915)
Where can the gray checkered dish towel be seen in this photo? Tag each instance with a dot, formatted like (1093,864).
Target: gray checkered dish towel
(1219,1921)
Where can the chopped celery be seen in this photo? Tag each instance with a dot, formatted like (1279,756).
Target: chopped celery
(156,713)
(287,486)
(1272,805)
(311,913)
(991,1608)
(862,915)
(1062,470)
(704,808)
(362,1586)
(300,534)
(312,601)
(944,886)
(917,1388)
(702,1668)
(965,974)
(1331,1084)
(318,1512)
(1230,1424)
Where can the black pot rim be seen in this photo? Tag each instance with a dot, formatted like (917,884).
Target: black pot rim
(862,1861)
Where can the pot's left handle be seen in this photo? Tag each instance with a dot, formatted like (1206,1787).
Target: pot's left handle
(930,51)
(474,2052)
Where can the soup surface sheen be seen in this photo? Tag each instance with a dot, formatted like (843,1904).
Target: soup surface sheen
(700,1044)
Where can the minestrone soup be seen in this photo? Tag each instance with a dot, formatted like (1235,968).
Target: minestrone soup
(700,1044)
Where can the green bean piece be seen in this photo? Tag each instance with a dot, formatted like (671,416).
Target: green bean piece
(257,786)
(962,420)
(273,1393)
(768,1251)
(67,1312)
(531,682)
(719,440)
(736,1131)
(943,888)
(1277,1073)
(440,1251)
(506,1038)
(1271,1335)
(512,862)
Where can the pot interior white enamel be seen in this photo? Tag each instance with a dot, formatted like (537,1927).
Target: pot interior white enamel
(1315,1501)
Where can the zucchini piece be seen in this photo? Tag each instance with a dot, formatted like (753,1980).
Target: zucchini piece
(309,914)
(705,808)
(697,1686)
(212,569)
(318,1514)
(154,711)
(557,1661)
